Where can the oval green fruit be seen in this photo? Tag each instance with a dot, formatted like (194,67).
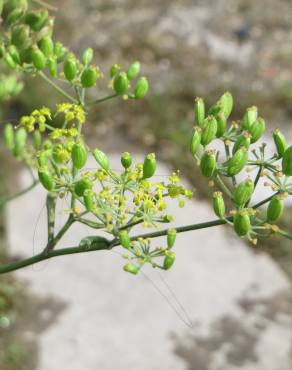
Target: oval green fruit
(79,155)
(82,185)
(9,136)
(287,162)
(133,71)
(243,192)
(195,140)
(168,260)
(275,208)
(101,158)
(46,179)
(131,268)
(141,88)
(241,223)
(70,68)
(208,164)
(199,111)
(209,131)
(280,142)
(218,204)
(89,77)
(121,83)
(126,160)
(149,166)
(38,59)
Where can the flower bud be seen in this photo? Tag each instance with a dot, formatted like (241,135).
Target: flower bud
(218,204)
(199,111)
(38,58)
(195,140)
(149,166)
(87,56)
(88,198)
(20,141)
(37,139)
(242,141)
(82,185)
(241,223)
(60,154)
(133,71)
(47,145)
(275,208)
(89,77)
(125,239)
(280,142)
(46,179)
(141,88)
(287,162)
(171,237)
(257,129)
(209,130)
(53,67)
(221,124)
(9,136)
(131,268)
(243,192)
(208,163)
(168,260)
(236,163)
(226,102)
(121,83)
(46,45)
(79,155)
(70,68)
(249,118)
(126,160)
(101,158)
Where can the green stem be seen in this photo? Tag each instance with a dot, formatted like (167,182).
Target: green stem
(102,99)
(223,186)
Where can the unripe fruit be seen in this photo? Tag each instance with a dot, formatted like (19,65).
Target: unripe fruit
(14,16)
(125,239)
(10,61)
(131,268)
(249,117)
(38,22)
(241,223)
(209,130)
(46,179)
(208,164)
(89,77)
(53,67)
(42,159)
(126,160)
(46,45)
(87,56)
(236,163)
(243,192)
(59,51)
(226,102)
(168,260)
(101,158)
(38,58)
(79,155)
(149,166)
(257,129)
(121,83)
(20,36)
(199,111)
(37,139)
(195,141)
(88,197)
(133,71)
(81,186)
(218,204)
(20,141)
(16,4)
(70,68)
(275,208)
(242,141)
(115,69)
(26,55)
(287,162)
(280,142)
(141,88)
(215,109)
(221,124)
(9,136)
(171,237)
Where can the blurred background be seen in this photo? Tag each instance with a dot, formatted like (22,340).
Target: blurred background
(186,48)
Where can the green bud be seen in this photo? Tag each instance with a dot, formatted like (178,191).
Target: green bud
(168,260)
(199,111)
(87,56)
(275,208)
(121,83)
(208,163)
(242,141)
(101,158)
(149,166)
(133,71)
(126,160)
(53,67)
(280,142)
(70,68)
(236,163)
(60,154)
(226,102)
(79,155)
(20,141)
(218,204)
(46,179)
(46,45)
(250,116)
(195,140)
(14,16)
(243,192)
(131,268)
(125,239)
(287,162)
(257,129)
(141,88)
(89,77)
(241,223)
(47,145)
(88,198)
(171,237)
(37,139)
(82,185)
(115,69)
(209,130)
(38,58)
(20,36)
(221,124)
(9,136)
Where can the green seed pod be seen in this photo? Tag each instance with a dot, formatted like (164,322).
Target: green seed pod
(257,129)
(236,163)
(40,21)
(126,160)
(221,124)
(275,208)
(242,141)
(125,239)
(149,166)
(46,179)
(10,61)
(38,58)
(243,192)
(171,237)
(141,88)
(46,45)
(70,68)
(168,260)
(131,268)
(218,204)
(199,111)
(87,56)
(26,55)
(37,139)
(20,141)
(14,16)
(42,159)
(195,140)
(280,142)
(9,136)
(82,185)
(208,163)
(133,71)
(53,67)
(215,109)
(89,77)
(241,223)
(209,130)
(101,158)
(250,116)
(16,4)
(59,51)
(287,162)
(88,198)
(121,83)
(226,102)
(115,69)
(20,36)
(79,155)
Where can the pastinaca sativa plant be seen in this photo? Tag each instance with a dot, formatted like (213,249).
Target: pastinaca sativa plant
(116,202)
